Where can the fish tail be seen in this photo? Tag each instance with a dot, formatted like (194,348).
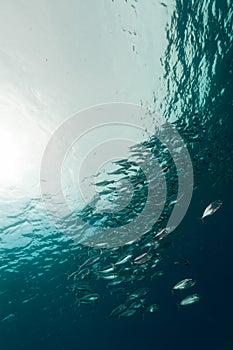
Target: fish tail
(201,219)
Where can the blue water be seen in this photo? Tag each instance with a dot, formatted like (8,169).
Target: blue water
(38,304)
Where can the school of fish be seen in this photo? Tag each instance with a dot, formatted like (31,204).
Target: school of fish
(125,272)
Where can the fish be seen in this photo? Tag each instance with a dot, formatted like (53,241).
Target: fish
(110,277)
(10,316)
(137,304)
(138,293)
(150,309)
(163,4)
(90,261)
(89,299)
(155,263)
(162,234)
(139,257)
(128,313)
(158,274)
(184,284)
(139,276)
(83,273)
(101,244)
(116,281)
(212,208)
(182,262)
(107,270)
(82,287)
(142,259)
(104,183)
(124,259)
(80,274)
(118,310)
(191,299)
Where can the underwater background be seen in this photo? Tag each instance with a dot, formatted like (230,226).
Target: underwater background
(173,57)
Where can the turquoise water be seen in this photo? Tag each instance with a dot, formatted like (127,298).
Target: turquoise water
(42,270)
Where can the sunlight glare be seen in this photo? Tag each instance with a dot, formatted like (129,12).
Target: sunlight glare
(10,159)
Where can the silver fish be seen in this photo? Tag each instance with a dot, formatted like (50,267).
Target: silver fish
(138,293)
(124,259)
(80,274)
(155,263)
(158,274)
(142,259)
(107,270)
(191,299)
(212,208)
(10,316)
(90,261)
(151,309)
(116,281)
(128,313)
(118,310)
(81,287)
(110,277)
(136,304)
(184,284)
(138,258)
(89,298)
(182,262)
